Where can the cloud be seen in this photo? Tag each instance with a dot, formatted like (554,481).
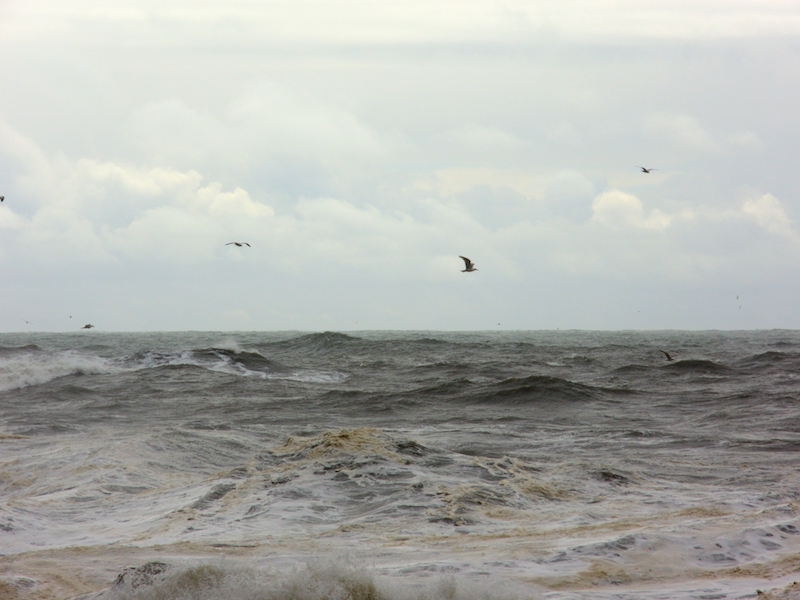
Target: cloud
(345,22)
(768,212)
(683,130)
(618,210)
(687,133)
(270,128)
(104,212)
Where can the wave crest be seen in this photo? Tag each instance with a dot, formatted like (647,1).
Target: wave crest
(26,370)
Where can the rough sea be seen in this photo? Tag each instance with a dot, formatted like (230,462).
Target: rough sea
(400,465)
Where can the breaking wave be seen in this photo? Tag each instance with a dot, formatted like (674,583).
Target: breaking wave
(318,579)
(30,369)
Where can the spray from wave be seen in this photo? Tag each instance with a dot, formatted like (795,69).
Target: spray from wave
(319,579)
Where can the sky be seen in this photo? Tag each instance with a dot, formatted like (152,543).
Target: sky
(361,146)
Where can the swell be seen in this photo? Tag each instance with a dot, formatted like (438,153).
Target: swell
(697,366)
(688,366)
(12,350)
(319,342)
(786,361)
(535,389)
(538,389)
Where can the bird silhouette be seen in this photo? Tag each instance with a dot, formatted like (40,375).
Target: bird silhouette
(646,170)
(468,263)
(87,326)
(240,244)
(667,355)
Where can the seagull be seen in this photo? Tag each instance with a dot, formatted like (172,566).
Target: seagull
(2,198)
(240,244)
(646,170)
(667,355)
(87,326)
(468,263)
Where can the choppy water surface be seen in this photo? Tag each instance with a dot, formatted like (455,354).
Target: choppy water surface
(399,465)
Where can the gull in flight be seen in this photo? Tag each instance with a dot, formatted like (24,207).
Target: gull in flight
(468,263)
(2,198)
(667,355)
(239,244)
(646,170)
(87,326)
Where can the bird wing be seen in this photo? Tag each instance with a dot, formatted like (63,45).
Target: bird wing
(467,261)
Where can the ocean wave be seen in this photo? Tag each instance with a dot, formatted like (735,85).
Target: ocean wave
(27,366)
(311,376)
(26,370)
(232,361)
(697,366)
(361,441)
(445,368)
(319,579)
(771,357)
(11,350)
(328,340)
(634,369)
(537,388)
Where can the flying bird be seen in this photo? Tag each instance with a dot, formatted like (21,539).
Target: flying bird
(2,198)
(646,170)
(240,244)
(468,263)
(667,355)
(87,326)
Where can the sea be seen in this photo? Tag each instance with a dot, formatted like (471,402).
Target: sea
(420,465)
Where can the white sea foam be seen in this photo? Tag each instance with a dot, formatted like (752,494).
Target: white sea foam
(311,376)
(319,579)
(231,344)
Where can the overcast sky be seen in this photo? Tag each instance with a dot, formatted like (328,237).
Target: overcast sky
(361,146)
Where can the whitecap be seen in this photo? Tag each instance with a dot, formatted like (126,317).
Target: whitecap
(35,369)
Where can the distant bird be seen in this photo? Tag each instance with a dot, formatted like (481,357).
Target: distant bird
(468,263)
(667,355)
(646,170)
(2,198)
(87,326)
(240,244)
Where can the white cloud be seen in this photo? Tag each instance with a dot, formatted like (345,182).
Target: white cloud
(768,212)
(159,216)
(414,21)
(618,210)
